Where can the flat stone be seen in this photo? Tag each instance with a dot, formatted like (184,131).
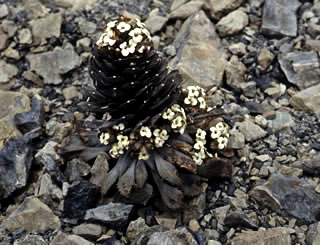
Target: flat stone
(80,4)
(84,43)
(4,11)
(221,213)
(32,215)
(314,45)
(60,60)
(172,237)
(235,72)
(62,238)
(86,27)
(46,27)
(35,8)
(239,219)
(7,71)
(31,76)
(177,3)
(70,92)
(76,169)
(279,17)
(9,27)
(307,100)
(155,22)
(99,168)
(301,68)
(25,36)
(274,236)
(3,41)
(251,131)
(284,194)
(238,49)
(283,121)
(310,166)
(232,23)
(220,8)
(236,140)
(313,235)
(11,53)
(90,231)
(186,10)
(114,215)
(200,56)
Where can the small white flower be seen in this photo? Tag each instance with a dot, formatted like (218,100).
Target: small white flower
(202,102)
(159,142)
(123,27)
(121,126)
(164,134)
(222,142)
(193,91)
(177,122)
(194,101)
(143,155)
(104,137)
(156,132)
(145,132)
(177,108)
(147,33)
(169,114)
(199,145)
(139,23)
(141,49)
(220,126)
(201,134)
(197,158)
(215,133)
(123,140)
(112,24)
(187,101)
(125,52)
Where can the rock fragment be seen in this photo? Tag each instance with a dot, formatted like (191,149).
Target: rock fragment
(307,100)
(233,23)
(219,8)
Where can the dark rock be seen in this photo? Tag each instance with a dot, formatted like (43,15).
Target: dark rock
(113,215)
(279,17)
(15,162)
(76,169)
(216,168)
(285,194)
(254,107)
(81,196)
(52,168)
(201,238)
(239,219)
(194,208)
(27,121)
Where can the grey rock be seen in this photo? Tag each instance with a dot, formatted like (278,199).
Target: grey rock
(310,165)
(27,121)
(9,27)
(283,121)
(35,8)
(99,168)
(7,71)
(232,23)
(32,215)
(251,131)
(177,236)
(301,68)
(11,53)
(313,29)
(3,39)
(284,194)
(249,89)
(274,236)
(86,27)
(307,100)
(76,169)
(279,17)
(79,4)
(314,45)
(177,3)
(48,149)
(155,22)
(221,213)
(4,11)
(220,8)
(84,43)
(59,60)
(46,27)
(186,10)
(114,215)
(31,239)
(170,50)
(50,166)
(239,219)
(144,236)
(313,235)
(200,56)
(265,58)
(236,140)
(62,238)
(90,231)
(238,49)
(235,72)
(194,208)
(31,76)
(25,36)
(135,228)
(71,92)
(15,163)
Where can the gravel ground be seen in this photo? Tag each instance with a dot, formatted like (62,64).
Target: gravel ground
(260,56)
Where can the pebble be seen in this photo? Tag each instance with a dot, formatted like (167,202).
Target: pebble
(63,238)
(220,8)
(194,225)
(25,36)
(90,231)
(186,10)
(4,11)
(136,227)
(7,71)
(265,58)
(233,23)
(251,131)
(307,100)
(155,21)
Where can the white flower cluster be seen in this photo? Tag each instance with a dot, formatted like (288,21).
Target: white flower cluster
(135,36)
(176,115)
(199,146)
(118,148)
(104,138)
(195,96)
(161,136)
(220,134)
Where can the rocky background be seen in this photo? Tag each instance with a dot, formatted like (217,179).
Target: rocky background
(260,56)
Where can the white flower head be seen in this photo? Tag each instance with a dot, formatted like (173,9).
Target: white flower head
(143,155)
(136,35)
(223,141)
(187,101)
(104,137)
(159,142)
(193,91)
(123,27)
(164,134)
(220,126)
(123,140)
(215,133)
(197,158)
(145,132)
(199,145)
(169,114)
(201,134)
(177,122)
(202,102)
(112,24)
